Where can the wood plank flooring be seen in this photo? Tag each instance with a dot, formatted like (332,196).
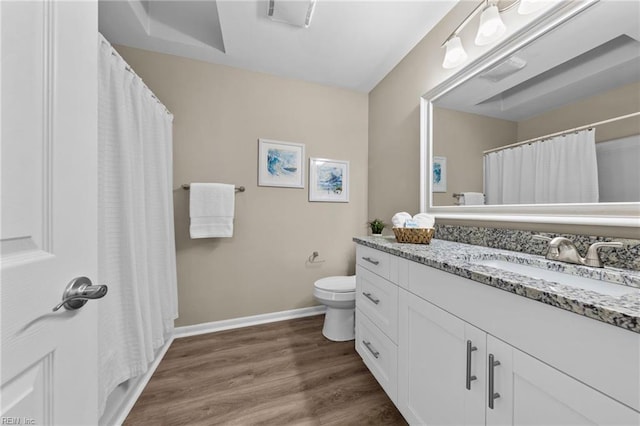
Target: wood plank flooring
(283,373)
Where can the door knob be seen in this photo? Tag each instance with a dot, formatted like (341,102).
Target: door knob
(78,292)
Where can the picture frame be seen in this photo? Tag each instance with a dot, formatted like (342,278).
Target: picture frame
(328,180)
(280,164)
(439,176)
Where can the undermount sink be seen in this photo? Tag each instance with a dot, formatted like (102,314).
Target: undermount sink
(569,280)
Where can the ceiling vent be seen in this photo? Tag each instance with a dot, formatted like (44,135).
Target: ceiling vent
(292,12)
(505,69)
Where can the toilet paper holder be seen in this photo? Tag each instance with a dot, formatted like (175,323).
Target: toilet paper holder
(313,258)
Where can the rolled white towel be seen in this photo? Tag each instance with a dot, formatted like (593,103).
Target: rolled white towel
(399,219)
(424,220)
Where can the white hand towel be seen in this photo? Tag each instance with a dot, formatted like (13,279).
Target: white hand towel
(424,220)
(399,219)
(211,207)
(472,198)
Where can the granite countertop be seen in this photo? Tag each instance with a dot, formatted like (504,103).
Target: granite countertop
(458,258)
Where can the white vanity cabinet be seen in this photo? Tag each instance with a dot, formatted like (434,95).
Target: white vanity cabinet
(444,370)
(550,366)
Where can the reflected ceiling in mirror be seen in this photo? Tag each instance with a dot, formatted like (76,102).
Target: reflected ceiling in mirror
(578,66)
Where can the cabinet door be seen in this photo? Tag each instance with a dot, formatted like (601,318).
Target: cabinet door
(533,393)
(431,364)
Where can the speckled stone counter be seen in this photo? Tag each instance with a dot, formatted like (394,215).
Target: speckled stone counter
(458,258)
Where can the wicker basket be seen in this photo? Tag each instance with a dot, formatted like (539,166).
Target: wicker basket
(414,235)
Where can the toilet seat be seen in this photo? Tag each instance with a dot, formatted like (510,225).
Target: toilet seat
(336,284)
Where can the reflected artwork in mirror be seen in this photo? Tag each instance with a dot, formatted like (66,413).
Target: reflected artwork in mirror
(546,126)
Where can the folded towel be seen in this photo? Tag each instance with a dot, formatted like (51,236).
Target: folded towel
(211,207)
(472,198)
(424,220)
(398,220)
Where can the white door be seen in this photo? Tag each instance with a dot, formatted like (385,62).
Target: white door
(49,210)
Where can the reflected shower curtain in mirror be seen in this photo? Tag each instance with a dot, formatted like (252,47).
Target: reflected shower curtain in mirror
(562,169)
(136,252)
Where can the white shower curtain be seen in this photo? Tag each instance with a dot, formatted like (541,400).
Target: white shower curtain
(562,169)
(136,238)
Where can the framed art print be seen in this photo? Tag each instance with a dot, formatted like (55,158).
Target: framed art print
(439,179)
(280,164)
(328,180)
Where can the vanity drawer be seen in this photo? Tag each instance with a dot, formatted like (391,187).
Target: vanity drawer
(377,298)
(378,353)
(374,260)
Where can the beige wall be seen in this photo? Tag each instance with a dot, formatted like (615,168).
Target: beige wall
(220,112)
(394,132)
(461,138)
(613,103)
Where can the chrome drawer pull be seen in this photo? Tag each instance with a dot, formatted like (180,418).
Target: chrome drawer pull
(370,260)
(370,297)
(492,395)
(371,349)
(470,348)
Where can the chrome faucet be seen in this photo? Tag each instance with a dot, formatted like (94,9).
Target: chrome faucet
(562,249)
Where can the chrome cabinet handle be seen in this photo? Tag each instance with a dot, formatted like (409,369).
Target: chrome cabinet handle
(492,395)
(370,297)
(78,292)
(470,378)
(368,345)
(370,260)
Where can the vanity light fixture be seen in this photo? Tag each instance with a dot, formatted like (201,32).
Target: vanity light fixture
(455,54)
(529,6)
(491,27)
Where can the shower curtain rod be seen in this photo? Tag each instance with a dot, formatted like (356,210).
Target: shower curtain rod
(129,69)
(564,132)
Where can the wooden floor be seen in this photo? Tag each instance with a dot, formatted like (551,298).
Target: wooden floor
(284,373)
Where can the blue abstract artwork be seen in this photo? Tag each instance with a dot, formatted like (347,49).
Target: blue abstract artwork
(437,173)
(439,177)
(281,162)
(329,179)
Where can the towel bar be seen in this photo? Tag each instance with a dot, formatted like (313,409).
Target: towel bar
(238,188)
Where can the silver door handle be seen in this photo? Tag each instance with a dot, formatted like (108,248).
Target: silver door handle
(78,292)
(368,345)
(470,348)
(370,260)
(370,297)
(492,395)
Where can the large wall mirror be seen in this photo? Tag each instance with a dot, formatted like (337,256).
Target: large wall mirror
(564,97)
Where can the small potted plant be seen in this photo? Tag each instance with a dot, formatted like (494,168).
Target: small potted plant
(376,226)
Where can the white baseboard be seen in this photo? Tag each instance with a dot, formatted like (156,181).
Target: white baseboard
(210,327)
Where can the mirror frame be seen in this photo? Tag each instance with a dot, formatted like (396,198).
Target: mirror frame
(603,214)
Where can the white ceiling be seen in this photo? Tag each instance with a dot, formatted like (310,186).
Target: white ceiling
(349,44)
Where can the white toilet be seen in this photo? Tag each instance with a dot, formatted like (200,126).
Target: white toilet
(339,295)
